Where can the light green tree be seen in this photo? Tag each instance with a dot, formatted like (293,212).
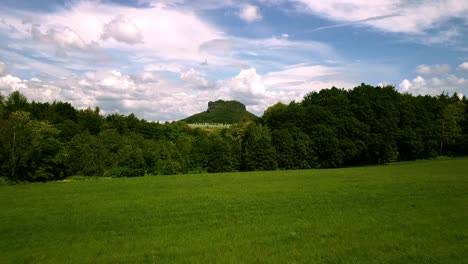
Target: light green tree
(451,131)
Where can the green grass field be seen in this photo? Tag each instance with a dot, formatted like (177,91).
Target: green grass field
(414,212)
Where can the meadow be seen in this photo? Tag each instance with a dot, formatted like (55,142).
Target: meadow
(210,126)
(411,212)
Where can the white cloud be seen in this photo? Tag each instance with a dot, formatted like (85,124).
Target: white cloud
(390,15)
(193,4)
(250,13)
(463,66)
(259,92)
(179,53)
(114,91)
(9,83)
(297,74)
(436,69)
(154,95)
(301,79)
(247,85)
(249,88)
(122,29)
(274,52)
(161,32)
(194,79)
(169,36)
(111,90)
(218,46)
(62,38)
(148,77)
(434,86)
(423,70)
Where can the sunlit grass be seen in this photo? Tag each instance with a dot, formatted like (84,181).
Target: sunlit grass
(413,212)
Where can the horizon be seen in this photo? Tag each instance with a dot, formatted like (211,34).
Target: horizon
(165,60)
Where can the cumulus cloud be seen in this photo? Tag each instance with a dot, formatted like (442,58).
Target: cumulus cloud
(147,77)
(261,91)
(250,13)
(436,69)
(423,70)
(434,85)
(248,86)
(122,29)
(114,91)
(463,66)
(194,79)
(9,83)
(435,80)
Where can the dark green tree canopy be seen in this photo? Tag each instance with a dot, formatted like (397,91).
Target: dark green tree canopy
(331,128)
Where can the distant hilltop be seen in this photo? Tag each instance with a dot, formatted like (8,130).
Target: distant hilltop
(221,112)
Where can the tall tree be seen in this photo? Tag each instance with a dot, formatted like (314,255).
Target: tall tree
(259,154)
(16,102)
(29,148)
(451,131)
(90,120)
(223,154)
(293,149)
(2,106)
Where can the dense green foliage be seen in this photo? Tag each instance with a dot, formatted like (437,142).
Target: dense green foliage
(369,125)
(413,212)
(328,129)
(221,112)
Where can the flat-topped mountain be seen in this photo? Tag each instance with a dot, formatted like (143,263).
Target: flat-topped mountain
(221,112)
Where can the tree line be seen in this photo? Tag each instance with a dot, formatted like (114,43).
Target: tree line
(327,129)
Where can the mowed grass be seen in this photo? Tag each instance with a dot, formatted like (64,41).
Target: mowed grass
(414,212)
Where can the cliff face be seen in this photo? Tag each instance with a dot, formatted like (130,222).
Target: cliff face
(233,106)
(225,112)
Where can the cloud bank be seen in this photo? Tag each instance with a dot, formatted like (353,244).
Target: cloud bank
(164,60)
(437,79)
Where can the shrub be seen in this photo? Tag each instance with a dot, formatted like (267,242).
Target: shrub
(119,172)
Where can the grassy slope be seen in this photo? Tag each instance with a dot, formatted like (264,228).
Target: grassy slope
(414,212)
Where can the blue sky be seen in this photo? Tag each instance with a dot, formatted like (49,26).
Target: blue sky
(164,60)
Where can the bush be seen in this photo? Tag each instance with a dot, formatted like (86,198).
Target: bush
(6,181)
(42,175)
(171,168)
(197,170)
(81,178)
(119,172)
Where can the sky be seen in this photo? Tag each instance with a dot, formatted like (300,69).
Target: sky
(164,60)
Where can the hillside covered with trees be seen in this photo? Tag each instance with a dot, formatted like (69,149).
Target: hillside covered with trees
(327,129)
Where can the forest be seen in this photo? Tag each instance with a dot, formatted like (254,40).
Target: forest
(41,141)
